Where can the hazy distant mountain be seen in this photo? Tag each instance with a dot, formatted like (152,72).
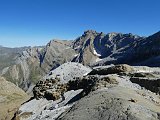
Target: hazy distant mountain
(9,55)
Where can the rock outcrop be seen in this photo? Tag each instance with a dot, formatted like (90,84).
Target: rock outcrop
(111,104)
(152,84)
(97,96)
(61,80)
(112,70)
(54,89)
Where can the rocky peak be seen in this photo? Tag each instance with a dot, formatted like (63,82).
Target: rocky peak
(93,46)
(88,32)
(52,42)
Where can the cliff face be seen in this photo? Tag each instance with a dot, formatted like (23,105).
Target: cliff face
(93,46)
(142,52)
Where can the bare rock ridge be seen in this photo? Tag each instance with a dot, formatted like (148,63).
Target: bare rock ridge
(91,49)
(94,95)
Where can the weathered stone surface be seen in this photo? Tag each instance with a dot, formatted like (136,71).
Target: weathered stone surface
(43,109)
(98,96)
(149,83)
(112,70)
(116,103)
(68,71)
(55,90)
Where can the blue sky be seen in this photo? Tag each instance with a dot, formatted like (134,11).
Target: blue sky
(35,22)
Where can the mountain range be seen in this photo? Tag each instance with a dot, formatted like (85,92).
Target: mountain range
(92,73)
(25,66)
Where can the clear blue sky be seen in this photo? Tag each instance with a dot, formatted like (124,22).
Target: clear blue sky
(35,22)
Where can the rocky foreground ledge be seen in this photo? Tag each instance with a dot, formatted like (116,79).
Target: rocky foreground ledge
(76,92)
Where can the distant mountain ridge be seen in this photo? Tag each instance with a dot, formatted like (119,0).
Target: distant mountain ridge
(35,62)
(92,49)
(9,55)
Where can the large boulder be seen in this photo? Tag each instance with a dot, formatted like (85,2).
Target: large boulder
(57,82)
(55,90)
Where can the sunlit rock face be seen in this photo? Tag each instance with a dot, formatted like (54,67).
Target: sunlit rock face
(93,46)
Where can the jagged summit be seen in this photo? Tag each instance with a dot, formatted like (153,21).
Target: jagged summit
(90,32)
(93,46)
